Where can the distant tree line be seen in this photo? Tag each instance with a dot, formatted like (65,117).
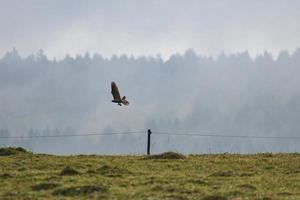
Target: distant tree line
(230,94)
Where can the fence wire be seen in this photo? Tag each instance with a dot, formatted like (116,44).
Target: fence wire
(158,132)
(72,135)
(193,133)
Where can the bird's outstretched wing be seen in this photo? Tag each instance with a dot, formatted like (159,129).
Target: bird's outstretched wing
(115,91)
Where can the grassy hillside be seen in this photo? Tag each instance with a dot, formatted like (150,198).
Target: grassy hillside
(24,175)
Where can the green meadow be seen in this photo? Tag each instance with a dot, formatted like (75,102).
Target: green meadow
(26,175)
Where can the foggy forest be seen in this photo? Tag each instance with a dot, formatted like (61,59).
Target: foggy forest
(230,94)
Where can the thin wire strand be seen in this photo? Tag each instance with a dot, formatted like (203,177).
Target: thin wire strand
(71,135)
(224,136)
(186,131)
(183,133)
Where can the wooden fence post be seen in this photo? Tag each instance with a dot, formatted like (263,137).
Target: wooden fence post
(148,141)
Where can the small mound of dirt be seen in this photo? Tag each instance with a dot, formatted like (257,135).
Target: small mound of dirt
(267,155)
(21,149)
(266,198)
(69,171)
(7,151)
(6,176)
(284,194)
(44,186)
(197,181)
(79,190)
(214,197)
(247,187)
(166,155)
(247,174)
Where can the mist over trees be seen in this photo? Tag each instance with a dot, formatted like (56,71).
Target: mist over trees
(231,95)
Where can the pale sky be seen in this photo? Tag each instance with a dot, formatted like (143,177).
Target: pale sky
(142,27)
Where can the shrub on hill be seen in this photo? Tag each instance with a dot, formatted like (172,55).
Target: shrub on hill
(7,151)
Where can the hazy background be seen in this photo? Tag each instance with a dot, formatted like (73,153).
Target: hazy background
(206,67)
(141,27)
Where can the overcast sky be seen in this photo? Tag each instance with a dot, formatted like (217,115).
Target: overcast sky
(142,27)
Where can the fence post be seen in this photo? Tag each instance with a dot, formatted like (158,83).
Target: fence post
(148,141)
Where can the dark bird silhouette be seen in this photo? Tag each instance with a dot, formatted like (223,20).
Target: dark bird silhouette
(116,95)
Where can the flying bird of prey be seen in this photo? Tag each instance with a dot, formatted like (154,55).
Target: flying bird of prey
(116,94)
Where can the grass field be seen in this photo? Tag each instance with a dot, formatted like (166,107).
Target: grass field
(25,175)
